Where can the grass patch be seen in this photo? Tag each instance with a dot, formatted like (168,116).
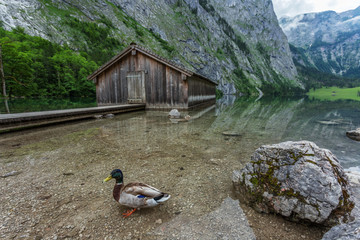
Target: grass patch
(335,93)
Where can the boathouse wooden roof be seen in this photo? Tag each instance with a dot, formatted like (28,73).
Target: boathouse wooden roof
(134,46)
(137,75)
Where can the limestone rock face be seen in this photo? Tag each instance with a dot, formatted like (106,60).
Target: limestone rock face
(354,134)
(329,40)
(237,43)
(298,180)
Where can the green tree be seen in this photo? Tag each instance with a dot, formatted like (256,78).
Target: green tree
(16,61)
(33,66)
(72,70)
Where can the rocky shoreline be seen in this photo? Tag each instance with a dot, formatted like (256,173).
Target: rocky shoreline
(51,192)
(303,183)
(234,219)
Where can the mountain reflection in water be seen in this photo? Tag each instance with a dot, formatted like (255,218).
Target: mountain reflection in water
(277,120)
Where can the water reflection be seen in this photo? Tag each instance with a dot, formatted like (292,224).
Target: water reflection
(275,120)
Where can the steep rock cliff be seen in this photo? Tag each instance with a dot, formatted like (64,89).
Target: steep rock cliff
(236,42)
(331,41)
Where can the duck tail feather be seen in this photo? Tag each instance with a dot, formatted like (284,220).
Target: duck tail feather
(162,198)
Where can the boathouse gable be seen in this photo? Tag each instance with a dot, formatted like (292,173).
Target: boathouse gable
(137,75)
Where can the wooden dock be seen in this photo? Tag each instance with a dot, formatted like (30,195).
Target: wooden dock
(10,122)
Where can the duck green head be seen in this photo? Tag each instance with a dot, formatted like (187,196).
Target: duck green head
(117,174)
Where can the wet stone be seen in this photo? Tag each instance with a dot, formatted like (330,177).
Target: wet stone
(354,134)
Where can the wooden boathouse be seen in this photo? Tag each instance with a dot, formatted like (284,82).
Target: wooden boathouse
(137,75)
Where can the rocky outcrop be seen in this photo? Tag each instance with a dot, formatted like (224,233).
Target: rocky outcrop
(237,43)
(348,231)
(354,134)
(330,40)
(298,180)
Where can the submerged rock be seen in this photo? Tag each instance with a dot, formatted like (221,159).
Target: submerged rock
(174,113)
(231,134)
(98,116)
(298,180)
(110,115)
(354,134)
(328,122)
(177,120)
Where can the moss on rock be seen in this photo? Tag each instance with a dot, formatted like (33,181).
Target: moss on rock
(297,180)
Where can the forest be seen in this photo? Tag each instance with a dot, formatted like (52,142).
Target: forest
(35,67)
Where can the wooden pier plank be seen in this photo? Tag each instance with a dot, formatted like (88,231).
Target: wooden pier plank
(15,121)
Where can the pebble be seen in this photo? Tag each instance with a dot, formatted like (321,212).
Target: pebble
(231,134)
(159,221)
(98,116)
(10,174)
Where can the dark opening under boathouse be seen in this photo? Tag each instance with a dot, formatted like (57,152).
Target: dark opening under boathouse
(136,75)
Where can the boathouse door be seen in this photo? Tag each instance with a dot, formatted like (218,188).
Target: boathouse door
(136,87)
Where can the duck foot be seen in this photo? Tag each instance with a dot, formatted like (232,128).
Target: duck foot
(128,213)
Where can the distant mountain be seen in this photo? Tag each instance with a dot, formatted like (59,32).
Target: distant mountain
(328,41)
(238,43)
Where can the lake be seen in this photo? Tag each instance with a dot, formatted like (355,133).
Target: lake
(62,166)
(263,121)
(277,120)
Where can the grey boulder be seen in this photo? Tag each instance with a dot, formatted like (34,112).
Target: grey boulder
(297,180)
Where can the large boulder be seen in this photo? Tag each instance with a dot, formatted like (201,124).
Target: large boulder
(354,134)
(298,180)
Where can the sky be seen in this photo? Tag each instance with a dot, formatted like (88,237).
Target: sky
(294,7)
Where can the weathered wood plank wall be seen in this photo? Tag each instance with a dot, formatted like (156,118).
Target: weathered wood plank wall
(112,84)
(200,90)
(165,87)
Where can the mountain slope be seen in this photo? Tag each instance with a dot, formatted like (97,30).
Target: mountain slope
(235,42)
(331,40)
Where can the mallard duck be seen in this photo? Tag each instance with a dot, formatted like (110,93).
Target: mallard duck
(135,195)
